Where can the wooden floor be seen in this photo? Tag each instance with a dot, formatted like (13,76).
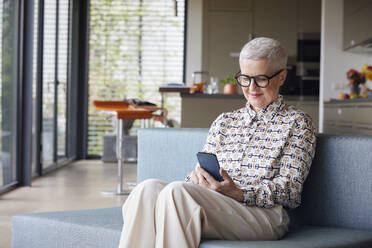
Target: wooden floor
(76,186)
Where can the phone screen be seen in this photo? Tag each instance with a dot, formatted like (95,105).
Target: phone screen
(209,162)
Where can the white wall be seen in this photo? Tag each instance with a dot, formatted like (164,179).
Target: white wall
(194,38)
(334,61)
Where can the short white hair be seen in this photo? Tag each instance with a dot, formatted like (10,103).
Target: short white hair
(265,48)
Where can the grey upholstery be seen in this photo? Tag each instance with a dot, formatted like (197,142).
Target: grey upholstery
(305,237)
(336,209)
(68,229)
(338,191)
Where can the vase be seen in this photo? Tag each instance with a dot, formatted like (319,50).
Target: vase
(230,89)
(355,89)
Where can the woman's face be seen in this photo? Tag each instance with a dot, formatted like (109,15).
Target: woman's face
(258,97)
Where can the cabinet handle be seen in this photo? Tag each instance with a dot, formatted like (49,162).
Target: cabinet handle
(339,111)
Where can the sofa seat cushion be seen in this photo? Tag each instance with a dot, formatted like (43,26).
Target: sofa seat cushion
(101,228)
(305,237)
(67,229)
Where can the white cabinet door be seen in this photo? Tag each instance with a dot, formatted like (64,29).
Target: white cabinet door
(348,118)
(228,31)
(357,21)
(309,16)
(278,20)
(231,5)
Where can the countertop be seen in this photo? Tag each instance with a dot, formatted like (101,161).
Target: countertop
(240,96)
(358,100)
(201,95)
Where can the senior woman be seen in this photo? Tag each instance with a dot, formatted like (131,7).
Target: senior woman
(265,151)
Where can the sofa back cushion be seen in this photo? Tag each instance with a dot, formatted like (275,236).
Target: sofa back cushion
(168,154)
(337,192)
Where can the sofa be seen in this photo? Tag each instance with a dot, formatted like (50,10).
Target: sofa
(336,208)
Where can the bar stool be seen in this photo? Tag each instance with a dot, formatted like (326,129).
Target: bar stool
(123,111)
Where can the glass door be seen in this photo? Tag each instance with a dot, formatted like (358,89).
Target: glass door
(54,81)
(62,76)
(9,16)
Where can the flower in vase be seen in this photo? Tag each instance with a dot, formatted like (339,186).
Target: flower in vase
(356,78)
(367,70)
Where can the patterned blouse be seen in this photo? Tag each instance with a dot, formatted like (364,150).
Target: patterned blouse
(267,154)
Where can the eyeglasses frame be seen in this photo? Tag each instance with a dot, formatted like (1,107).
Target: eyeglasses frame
(237,75)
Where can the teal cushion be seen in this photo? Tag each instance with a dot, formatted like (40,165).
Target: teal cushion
(68,229)
(336,193)
(168,154)
(102,228)
(305,237)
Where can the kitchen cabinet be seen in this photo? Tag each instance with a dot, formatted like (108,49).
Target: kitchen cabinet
(348,117)
(231,5)
(278,20)
(228,25)
(228,31)
(200,110)
(309,16)
(357,22)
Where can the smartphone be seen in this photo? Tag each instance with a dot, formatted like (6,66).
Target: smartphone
(209,162)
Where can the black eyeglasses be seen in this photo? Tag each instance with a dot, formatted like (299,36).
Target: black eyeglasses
(261,81)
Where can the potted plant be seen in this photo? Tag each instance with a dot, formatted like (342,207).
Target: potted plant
(229,85)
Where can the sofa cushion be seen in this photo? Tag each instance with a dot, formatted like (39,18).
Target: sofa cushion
(338,191)
(168,154)
(305,237)
(101,228)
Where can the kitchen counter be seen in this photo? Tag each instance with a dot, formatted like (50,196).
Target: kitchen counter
(350,116)
(358,100)
(200,95)
(240,96)
(200,110)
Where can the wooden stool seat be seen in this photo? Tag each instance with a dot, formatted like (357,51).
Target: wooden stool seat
(133,114)
(125,111)
(110,105)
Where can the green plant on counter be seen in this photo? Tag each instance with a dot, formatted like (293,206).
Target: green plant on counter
(228,80)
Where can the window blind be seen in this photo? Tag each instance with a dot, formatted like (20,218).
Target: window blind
(135,46)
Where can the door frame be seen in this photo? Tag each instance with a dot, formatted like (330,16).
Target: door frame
(57,161)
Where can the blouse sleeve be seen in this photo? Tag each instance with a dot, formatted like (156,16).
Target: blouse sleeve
(211,141)
(296,157)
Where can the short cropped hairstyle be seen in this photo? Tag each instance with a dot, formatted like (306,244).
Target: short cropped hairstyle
(265,48)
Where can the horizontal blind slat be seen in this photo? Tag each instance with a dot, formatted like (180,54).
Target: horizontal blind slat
(133,51)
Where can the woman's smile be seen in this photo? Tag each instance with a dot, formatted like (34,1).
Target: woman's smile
(255,95)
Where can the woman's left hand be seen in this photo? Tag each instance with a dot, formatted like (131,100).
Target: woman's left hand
(226,187)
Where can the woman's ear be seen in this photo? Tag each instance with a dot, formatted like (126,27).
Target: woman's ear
(282,76)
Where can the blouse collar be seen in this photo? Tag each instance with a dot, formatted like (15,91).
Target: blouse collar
(267,113)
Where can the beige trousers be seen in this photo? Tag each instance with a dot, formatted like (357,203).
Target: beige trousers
(179,214)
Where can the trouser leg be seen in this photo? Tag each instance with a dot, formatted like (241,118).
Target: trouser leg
(185,213)
(138,215)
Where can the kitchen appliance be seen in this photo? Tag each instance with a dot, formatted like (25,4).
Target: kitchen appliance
(308,63)
(291,85)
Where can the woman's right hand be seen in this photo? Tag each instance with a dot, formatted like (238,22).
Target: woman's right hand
(196,177)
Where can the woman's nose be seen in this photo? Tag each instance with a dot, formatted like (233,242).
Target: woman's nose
(253,85)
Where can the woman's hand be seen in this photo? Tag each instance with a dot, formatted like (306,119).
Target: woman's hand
(226,187)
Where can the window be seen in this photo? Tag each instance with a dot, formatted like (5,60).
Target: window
(54,81)
(8,90)
(135,46)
